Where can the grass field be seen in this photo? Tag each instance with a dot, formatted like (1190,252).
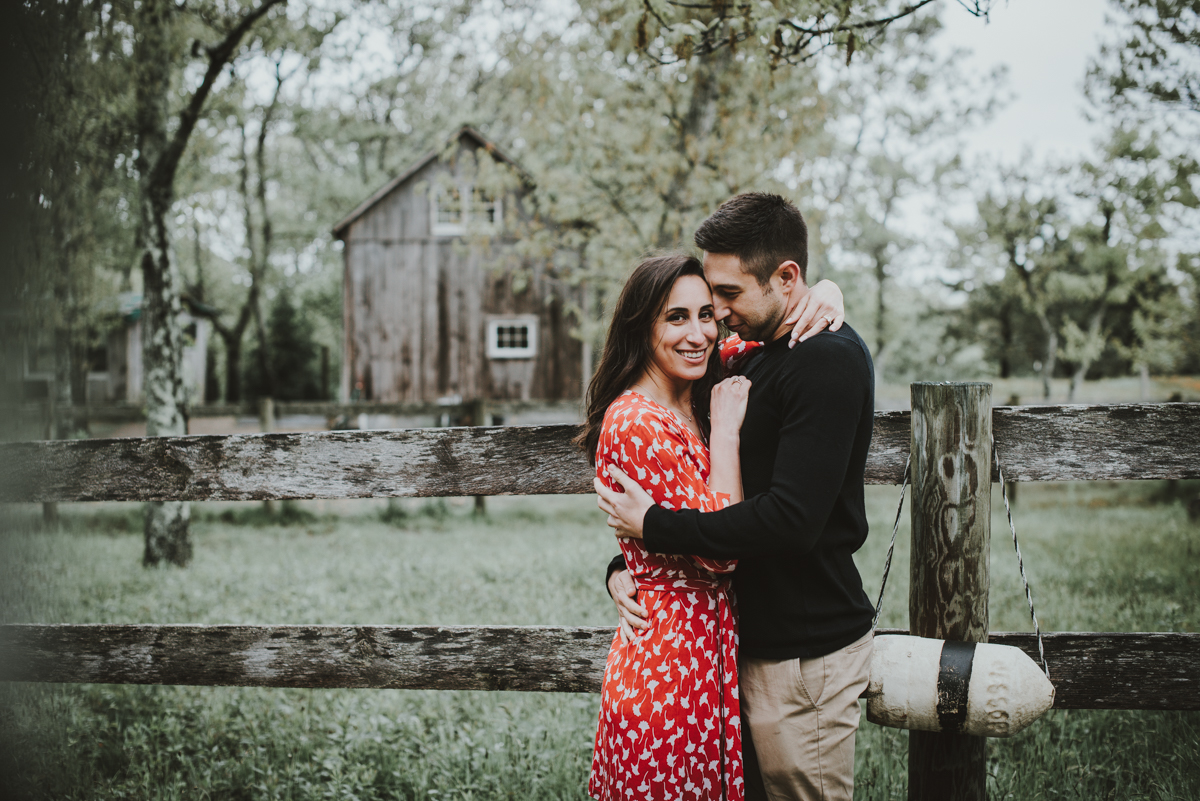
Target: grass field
(1102,557)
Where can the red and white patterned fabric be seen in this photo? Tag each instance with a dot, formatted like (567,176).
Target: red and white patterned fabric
(670,724)
(734,351)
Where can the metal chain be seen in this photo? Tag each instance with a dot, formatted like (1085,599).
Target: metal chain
(1020,562)
(887,565)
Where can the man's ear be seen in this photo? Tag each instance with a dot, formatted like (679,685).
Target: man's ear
(787,276)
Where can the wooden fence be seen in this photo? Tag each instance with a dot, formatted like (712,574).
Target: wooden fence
(1145,671)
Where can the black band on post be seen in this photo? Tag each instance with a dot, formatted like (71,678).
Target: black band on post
(954,679)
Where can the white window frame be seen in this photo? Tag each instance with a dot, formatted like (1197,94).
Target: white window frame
(446,228)
(465,208)
(494,324)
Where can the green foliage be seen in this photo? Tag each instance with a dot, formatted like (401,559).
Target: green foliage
(294,358)
(786,32)
(1155,57)
(1085,284)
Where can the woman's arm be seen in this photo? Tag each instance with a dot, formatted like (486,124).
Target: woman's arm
(822,307)
(727,409)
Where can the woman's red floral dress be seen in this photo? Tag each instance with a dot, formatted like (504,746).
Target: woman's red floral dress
(670,726)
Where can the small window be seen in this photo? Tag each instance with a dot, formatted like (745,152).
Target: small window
(452,217)
(512,337)
(448,212)
(485,211)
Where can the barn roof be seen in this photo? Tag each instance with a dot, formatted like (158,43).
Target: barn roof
(339,230)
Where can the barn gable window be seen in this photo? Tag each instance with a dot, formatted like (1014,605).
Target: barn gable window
(448,218)
(512,337)
(452,216)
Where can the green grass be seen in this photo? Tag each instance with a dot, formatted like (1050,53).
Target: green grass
(1101,557)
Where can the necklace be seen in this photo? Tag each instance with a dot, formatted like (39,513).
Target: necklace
(672,409)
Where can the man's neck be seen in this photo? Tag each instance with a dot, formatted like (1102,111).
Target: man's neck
(793,301)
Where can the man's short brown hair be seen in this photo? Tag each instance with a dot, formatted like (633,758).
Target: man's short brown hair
(761,229)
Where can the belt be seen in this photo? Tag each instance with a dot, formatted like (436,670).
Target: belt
(682,584)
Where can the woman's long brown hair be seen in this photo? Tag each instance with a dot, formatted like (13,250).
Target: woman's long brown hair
(628,349)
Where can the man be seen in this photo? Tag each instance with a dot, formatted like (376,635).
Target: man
(805,621)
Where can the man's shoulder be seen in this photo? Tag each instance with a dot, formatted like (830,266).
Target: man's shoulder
(845,343)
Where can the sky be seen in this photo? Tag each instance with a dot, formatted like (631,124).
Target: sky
(1046,45)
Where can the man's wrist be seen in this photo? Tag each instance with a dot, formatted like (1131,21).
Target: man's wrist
(617,563)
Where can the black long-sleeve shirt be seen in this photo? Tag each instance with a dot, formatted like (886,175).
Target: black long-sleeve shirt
(803,454)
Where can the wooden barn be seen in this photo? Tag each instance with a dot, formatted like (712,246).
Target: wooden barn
(440,302)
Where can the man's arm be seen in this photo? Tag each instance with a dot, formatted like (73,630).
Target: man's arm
(823,399)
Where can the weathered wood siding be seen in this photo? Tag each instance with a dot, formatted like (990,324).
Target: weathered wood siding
(1089,670)
(416,306)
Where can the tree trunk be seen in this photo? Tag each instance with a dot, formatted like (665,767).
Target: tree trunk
(1051,358)
(166,524)
(693,142)
(881,264)
(233,366)
(1085,361)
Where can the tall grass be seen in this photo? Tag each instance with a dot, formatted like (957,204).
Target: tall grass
(1101,557)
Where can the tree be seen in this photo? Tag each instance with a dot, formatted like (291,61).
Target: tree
(897,116)
(78,166)
(1155,59)
(295,373)
(160,149)
(1086,259)
(630,155)
(789,32)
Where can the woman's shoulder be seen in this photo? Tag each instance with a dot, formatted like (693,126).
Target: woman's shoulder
(632,410)
(633,416)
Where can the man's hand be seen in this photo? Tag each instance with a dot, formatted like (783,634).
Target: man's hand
(627,509)
(624,594)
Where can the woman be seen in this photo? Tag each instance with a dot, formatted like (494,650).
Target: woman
(669,720)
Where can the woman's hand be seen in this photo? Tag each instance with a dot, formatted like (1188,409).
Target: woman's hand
(822,307)
(727,406)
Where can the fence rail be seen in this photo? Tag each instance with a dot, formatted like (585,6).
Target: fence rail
(1089,670)
(130,413)
(1036,443)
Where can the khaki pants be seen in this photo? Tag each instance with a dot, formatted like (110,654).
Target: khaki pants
(800,717)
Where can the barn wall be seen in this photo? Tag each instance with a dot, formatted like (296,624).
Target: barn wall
(416,309)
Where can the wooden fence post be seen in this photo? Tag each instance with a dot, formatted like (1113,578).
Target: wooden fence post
(948,596)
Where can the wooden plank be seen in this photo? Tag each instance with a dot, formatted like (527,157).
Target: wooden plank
(536,460)
(537,658)
(1112,442)
(127,413)
(1144,671)
(1106,442)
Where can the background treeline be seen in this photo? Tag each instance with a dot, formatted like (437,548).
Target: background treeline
(952,267)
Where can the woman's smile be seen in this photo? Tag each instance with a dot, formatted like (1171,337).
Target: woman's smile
(686,331)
